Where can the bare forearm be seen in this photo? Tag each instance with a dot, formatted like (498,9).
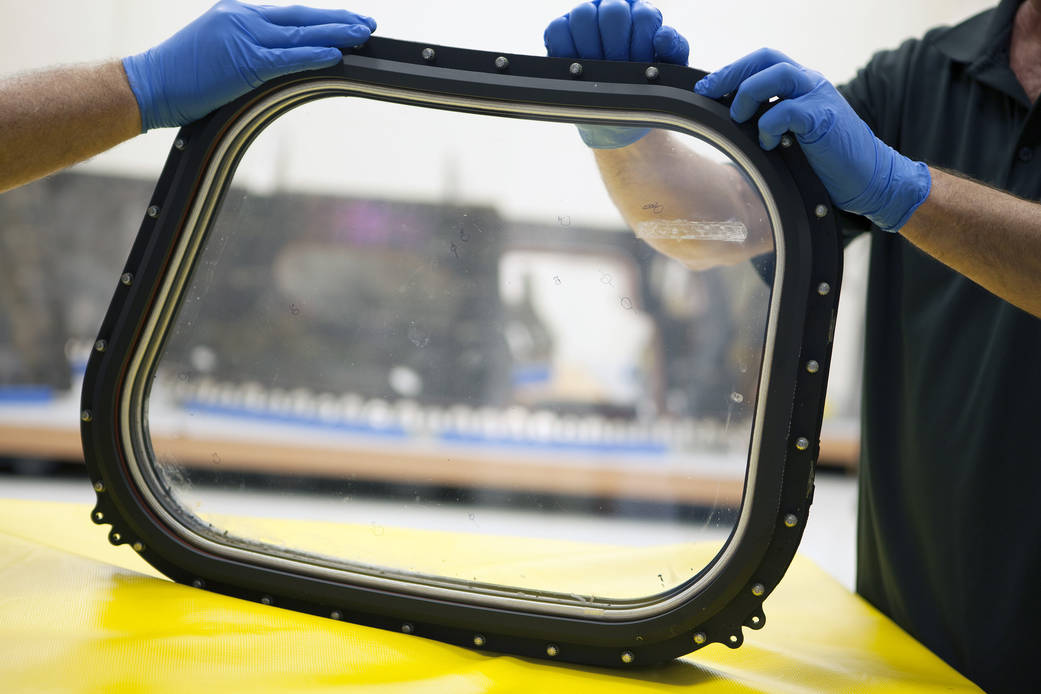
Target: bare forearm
(989,236)
(56,117)
(660,181)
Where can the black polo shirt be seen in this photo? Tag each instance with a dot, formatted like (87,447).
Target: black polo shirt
(949,536)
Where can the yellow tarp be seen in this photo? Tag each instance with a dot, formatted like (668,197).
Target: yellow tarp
(78,615)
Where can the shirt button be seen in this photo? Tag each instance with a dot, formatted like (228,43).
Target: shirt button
(1026,153)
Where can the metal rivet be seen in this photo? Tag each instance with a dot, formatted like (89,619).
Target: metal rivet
(786,140)
(824,289)
(552,650)
(335,614)
(126,278)
(821,210)
(198,583)
(266,600)
(758,589)
(575,69)
(700,638)
(100,346)
(86,415)
(802,443)
(99,516)
(429,54)
(791,520)
(99,486)
(152,211)
(178,143)
(628,657)
(138,547)
(651,73)
(115,537)
(756,620)
(407,628)
(502,62)
(734,638)
(478,640)
(812,366)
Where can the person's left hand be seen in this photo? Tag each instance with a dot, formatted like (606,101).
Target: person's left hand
(614,30)
(862,174)
(232,48)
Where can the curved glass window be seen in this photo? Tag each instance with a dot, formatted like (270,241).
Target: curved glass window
(435,327)
(418,355)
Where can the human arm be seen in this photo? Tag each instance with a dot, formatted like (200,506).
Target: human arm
(662,180)
(53,118)
(654,176)
(57,117)
(989,236)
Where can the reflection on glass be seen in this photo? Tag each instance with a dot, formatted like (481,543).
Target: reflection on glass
(427,343)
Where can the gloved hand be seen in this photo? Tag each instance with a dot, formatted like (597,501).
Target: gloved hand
(614,30)
(231,49)
(862,174)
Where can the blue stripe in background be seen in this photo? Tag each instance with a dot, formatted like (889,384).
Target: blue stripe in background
(644,447)
(452,437)
(193,407)
(27,395)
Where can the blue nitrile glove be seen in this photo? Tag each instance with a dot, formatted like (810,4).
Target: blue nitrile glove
(614,30)
(863,175)
(231,49)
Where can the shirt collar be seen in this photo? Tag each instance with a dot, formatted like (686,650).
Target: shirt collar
(982,43)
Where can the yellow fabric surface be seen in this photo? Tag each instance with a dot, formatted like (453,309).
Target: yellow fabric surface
(563,566)
(78,615)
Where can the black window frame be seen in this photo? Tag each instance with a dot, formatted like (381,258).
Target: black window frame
(783,480)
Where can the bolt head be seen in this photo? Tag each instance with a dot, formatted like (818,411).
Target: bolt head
(824,289)
(115,537)
(802,443)
(700,638)
(575,69)
(821,210)
(198,583)
(178,143)
(478,640)
(335,614)
(651,73)
(126,278)
(628,657)
(786,141)
(812,366)
(86,416)
(138,547)
(266,600)
(552,650)
(791,520)
(758,589)
(99,486)
(429,54)
(153,211)
(100,346)
(502,62)
(407,628)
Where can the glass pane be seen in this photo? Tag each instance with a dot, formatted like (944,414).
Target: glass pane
(427,343)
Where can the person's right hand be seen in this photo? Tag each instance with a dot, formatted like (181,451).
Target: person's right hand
(614,30)
(232,48)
